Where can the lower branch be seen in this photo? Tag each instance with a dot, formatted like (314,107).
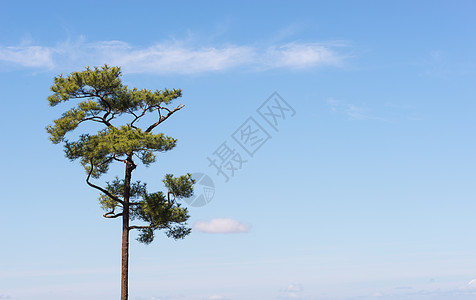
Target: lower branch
(100,188)
(142,227)
(111,214)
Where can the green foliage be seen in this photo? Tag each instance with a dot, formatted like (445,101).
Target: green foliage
(103,98)
(180,187)
(115,143)
(160,213)
(116,188)
(155,209)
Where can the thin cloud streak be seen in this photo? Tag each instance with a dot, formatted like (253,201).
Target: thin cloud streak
(172,57)
(301,56)
(162,58)
(472,284)
(28,56)
(352,111)
(293,291)
(221,225)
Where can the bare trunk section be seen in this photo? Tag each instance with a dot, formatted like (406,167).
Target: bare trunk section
(125,253)
(130,166)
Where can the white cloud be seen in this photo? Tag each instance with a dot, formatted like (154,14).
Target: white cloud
(472,283)
(171,57)
(221,225)
(300,56)
(294,288)
(28,56)
(293,291)
(174,58)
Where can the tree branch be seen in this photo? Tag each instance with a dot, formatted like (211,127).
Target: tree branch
(109,109)
(111,215)
(117,159)
(91,94)
(95,119)
(100,188)
(139,116)
(113,115)
(168,197)
(161,119)
(141,227)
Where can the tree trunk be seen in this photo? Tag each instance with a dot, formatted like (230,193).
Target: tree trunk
(130,166)
(125,253)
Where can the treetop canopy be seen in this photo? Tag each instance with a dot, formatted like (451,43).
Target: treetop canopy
(103,98)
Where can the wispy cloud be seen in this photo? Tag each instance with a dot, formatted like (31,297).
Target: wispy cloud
(171,57)
(441,65)
(221,225)
(472,284)
(28,56)
(293,291)
(300,56)
(216,297)
(45,273)
(353,112)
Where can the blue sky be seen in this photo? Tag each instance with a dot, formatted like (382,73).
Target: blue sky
(366,192)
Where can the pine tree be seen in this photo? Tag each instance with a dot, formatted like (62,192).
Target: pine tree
(103,99)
